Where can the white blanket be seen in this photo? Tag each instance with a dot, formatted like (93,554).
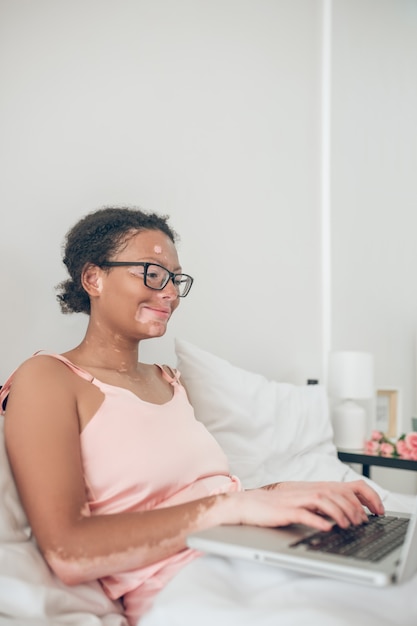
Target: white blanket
(213,591)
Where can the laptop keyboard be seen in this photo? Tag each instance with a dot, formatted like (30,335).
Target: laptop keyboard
(370,542)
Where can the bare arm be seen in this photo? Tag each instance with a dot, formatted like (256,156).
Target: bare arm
(42,436)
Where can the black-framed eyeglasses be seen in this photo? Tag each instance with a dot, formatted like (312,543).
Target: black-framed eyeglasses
(156,276)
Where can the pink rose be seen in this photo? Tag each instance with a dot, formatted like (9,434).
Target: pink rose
(371,447)
(386,449)
(411,440)
(376,435)
(402,449)
(413,455)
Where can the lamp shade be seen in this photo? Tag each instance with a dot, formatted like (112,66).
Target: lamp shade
(351,375)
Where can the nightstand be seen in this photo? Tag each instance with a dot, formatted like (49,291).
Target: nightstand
(366,460)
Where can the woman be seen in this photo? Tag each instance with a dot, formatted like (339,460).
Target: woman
(112,468)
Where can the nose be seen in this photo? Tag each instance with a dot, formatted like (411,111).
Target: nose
(170,291)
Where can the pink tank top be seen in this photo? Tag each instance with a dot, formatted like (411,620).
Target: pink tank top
(139,456)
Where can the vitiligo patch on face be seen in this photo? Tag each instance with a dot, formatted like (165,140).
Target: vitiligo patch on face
(136,271)
(157,249)
(155,326)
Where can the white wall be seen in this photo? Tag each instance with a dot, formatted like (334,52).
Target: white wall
(374,187)
(210,110)
(374,191)
(204,110)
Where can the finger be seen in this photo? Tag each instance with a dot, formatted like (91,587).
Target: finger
(351,497)
(301,515)
(368,497)
(338,510)
(351,507)
(320,503)
(341,505)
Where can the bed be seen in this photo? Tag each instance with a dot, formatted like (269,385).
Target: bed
(271,431)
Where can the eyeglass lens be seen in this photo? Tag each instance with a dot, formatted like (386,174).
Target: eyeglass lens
(157,277)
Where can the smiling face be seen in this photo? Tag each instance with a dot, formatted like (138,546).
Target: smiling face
(121,302)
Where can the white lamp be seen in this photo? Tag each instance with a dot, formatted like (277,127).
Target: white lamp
(351,377)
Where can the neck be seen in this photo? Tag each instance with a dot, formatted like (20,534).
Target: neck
(107,351)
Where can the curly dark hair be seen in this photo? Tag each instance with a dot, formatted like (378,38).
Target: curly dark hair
(94,239)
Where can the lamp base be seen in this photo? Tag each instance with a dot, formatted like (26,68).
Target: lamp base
(349,425)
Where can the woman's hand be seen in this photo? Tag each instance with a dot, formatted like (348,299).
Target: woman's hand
(316,504)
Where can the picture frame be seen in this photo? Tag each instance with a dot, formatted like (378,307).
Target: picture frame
(387,418)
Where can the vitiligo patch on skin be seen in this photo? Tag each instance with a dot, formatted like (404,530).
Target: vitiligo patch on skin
(162,540)
(85,510)
(156,326)
(72,569)
(157,249)
(136,271)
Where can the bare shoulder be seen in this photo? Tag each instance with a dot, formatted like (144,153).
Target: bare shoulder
(38,366)
(41,376)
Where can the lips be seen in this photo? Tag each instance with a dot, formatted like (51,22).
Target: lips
(146,314)
(163,313)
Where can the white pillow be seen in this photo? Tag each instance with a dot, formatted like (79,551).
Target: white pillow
(270,431)
(13,523)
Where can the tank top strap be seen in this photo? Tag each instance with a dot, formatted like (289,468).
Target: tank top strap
(4,392)
(170,374)
(74,368)
(5,389)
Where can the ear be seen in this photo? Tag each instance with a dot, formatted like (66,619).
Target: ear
(92,279)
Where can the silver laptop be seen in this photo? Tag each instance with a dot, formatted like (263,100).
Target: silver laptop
(379,553)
